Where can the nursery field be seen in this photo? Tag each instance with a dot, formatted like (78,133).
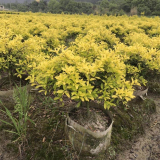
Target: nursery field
(66,60)
(53,48)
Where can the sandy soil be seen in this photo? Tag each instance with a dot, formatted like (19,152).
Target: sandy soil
(146,147)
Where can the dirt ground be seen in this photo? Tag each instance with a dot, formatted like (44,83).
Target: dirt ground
(146,147)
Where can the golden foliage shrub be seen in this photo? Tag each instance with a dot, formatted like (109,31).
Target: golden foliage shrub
(85,57)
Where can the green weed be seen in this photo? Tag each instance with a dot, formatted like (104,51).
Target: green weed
(19,119)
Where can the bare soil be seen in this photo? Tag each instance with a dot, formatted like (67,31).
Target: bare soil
(147,146)
(5,153)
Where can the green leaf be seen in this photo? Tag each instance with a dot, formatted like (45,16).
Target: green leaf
(86,98)
(92,79)
(82,99)
(105,104)
(67,94)
(102,86)
(56,98)
(31,121)
(60,91)
(41,91)
(75,97)
(6,122)
(78,104)
(14,121)
(64,87)
(11,132)
(77,86)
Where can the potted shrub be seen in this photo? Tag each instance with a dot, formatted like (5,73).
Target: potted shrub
(86,80)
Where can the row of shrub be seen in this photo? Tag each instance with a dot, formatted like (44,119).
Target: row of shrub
(83,57)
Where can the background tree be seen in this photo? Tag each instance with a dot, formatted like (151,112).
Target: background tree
(34,6)
(42,6)
(144,9)
(104,6)
(63,4)
(54,6)
(118,7)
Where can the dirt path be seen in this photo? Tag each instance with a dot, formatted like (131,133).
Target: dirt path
(146,147)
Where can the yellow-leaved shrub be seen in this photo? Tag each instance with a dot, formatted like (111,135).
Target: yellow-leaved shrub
(84,57)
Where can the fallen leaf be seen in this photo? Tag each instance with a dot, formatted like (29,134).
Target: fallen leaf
(44,138)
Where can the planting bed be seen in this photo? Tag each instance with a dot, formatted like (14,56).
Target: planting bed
(47,139)
(71,59)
